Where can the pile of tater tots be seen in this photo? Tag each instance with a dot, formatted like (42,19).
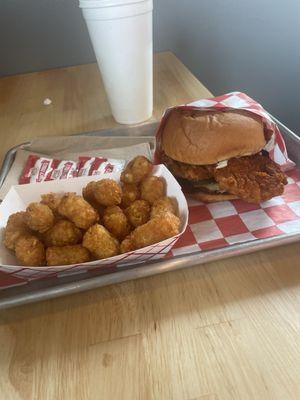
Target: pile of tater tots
(108,219)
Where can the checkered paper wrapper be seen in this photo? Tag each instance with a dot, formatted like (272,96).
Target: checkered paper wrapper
(236,101)
(21,195)
(226,223)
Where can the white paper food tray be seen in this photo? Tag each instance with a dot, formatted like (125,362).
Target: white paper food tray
(20,196)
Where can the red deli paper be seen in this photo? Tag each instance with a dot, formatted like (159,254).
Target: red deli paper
(235,101)
(41,169)
(98,165)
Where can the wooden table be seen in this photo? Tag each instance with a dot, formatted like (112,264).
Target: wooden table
(225,330)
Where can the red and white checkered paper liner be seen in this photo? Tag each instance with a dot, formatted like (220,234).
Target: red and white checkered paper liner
(226,223)
(236,101)
(21,195)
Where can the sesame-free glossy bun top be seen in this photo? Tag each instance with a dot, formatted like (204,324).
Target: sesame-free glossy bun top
(207,137)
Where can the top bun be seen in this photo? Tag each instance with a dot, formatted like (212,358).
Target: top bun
(207,137)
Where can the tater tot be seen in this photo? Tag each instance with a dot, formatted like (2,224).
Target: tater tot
(155,230)
(163,205)
(62,233)
(126,245)
(138,213)
(153,188)
(88,193)
(107,192)
(30,251)
(15,228)
(51,200)
(64,255)
(116,222)
(136,170)
(100,242)
(130,193)
(77,210)
(39,217)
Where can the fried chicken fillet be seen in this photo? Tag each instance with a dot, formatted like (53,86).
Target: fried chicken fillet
(254,179)
(217,155)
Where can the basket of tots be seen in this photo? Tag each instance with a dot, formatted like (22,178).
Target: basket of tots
(132,216)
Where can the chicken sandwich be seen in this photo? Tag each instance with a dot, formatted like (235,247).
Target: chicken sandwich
(219,155)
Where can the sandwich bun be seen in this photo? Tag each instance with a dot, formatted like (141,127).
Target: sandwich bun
(207,137)
(212,197)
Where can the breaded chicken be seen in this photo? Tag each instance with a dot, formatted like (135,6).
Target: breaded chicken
(254,178)
(188,171)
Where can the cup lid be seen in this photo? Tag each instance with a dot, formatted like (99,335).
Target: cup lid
(108,3)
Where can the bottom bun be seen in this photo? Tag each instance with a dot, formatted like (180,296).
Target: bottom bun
(212,197)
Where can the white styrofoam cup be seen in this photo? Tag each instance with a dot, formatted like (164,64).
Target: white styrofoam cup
(121,35)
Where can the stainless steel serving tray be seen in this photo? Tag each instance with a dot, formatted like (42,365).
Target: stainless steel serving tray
(42,290)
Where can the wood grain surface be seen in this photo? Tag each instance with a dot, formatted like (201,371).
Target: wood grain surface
(79,103)
(221,331)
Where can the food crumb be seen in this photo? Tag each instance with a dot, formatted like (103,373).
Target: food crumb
(47,102)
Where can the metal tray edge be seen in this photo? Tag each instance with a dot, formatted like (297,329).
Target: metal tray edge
(150,268)
(8,160)
(147,270)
